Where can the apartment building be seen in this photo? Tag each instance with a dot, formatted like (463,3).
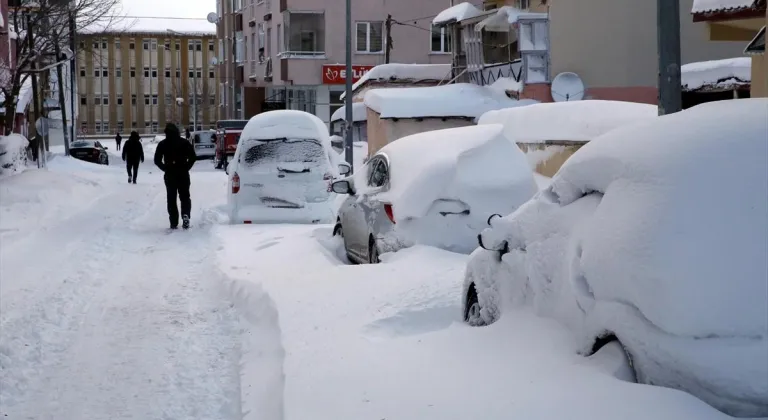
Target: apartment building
(611,46)
(142,74)
(280,54)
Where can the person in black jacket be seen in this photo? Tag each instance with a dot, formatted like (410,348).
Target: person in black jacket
(118,140)
(175,156)
(133,152)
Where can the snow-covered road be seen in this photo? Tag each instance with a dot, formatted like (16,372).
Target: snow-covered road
(104,315)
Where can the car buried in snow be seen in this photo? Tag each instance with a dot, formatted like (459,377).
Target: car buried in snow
(435,188)
(652,237)
(281,169)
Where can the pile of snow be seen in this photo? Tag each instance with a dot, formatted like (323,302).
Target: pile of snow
(456,13)
(389,337)
(13,154)
(359,113)
(461,100)
(567,121)
(289,124)
(704,6)
(727,72)
(155,25)
(506,16)
(404,73)
(507,84)
(475,164)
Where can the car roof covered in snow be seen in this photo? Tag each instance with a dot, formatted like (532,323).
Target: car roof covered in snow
(475,164)
(567,121)
(285,124)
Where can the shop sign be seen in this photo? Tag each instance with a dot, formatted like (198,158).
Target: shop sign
(335,74)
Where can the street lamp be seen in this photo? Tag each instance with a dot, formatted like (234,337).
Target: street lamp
(194,75)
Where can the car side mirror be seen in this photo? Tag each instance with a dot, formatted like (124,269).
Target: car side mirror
(342,187)
(344,169)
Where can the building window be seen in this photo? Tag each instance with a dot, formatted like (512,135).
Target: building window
(211,74)
(178,45)
(82,72)
(118,72)
(145,45)
(199,73)
(146,100)
(212,100)
(370,37)
(119,126)
(198,45)
(84,127)
(96,73)
(104,72)
(133,102)
(304,33)
(440,40)
(83,100)
(153,42)
(154,72)
(147,124)
(167,45)
(117,44)
(97,100)
(133,71)
(119,99)
(178,73)
(104,45)
(154,127)
(167,73)
(523,4)
(97,128)
(154,99)
(210,46)
(146,72)
(95,45)
(131,45)
(105,100)
(133,124)
(82,45)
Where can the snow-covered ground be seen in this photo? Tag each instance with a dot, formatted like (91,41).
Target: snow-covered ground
(103,315)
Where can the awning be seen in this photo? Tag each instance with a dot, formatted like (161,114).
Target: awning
(757,45)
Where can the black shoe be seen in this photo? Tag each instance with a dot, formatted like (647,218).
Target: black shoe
(174,227)
(185,222)
(134,181)
(129,179)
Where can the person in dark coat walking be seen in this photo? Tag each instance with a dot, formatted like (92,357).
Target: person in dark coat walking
(176,156)
(118,140)
(133,153)
(187,134)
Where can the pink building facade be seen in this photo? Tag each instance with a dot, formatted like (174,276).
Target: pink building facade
(291,53)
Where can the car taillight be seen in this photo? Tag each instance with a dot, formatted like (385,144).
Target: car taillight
(390,212)
(235,183)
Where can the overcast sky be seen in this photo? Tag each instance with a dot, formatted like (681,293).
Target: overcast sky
(169,8)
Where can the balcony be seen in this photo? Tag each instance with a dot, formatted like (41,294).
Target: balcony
(304,35)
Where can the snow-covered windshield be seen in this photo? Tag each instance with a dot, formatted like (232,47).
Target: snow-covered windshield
(284,151)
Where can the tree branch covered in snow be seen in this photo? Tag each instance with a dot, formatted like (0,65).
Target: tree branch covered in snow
(49,23)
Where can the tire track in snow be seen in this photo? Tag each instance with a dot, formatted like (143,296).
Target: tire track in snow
(137,332)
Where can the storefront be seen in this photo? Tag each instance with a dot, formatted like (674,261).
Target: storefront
(321,100)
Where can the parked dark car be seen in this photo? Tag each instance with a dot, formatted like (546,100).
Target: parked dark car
(90,151)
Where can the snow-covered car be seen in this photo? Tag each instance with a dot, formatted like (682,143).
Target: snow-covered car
(655,236)
(436,188)
(281,169)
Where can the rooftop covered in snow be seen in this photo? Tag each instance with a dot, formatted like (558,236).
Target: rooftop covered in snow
(705,9)
(153,25)
(457,13)
(506,16)
(359,113)
(403,73)
(460,100)
(717,75)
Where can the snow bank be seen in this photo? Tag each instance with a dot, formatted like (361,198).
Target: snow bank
(13,154)
(403,73)
(462,100)
(476,164)
(703,6)
(456,13)
(359,113)
(716,72)
(285,124)
(683,198)
(573,120)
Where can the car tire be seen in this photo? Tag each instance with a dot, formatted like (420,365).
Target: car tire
(472,309)
(373,252)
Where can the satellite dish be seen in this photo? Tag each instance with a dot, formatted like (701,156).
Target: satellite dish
(212,17)
(214,61)
(567,87)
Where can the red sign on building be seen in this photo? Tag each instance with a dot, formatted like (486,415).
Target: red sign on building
(335,74)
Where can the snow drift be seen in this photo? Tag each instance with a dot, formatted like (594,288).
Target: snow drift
(13,154)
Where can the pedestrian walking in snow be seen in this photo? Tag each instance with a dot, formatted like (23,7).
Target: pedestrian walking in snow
(188,134)
(176,156)
(133,153)
(118,140)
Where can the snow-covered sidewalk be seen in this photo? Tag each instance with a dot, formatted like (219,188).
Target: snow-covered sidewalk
(104,315)
(387,341)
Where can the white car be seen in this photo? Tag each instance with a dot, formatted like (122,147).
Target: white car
(281,170)
(653,236)
(435,188)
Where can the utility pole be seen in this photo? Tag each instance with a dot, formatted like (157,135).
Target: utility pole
(388,46)
(36,103)
(348,98)
(72,78)
(194,90)
(670,89)
(62,101)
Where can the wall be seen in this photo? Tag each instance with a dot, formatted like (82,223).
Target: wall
(613,44)
(384,131)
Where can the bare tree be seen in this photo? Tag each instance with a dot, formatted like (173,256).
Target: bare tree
(174,91)
(47,21)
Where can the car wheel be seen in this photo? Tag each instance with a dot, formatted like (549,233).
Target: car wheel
(373,252)
(337,231)
(472,309)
